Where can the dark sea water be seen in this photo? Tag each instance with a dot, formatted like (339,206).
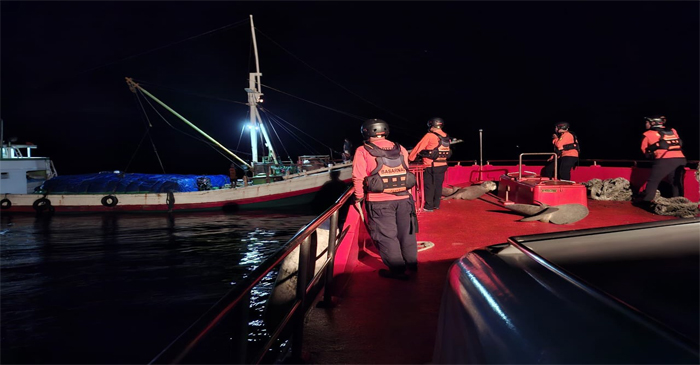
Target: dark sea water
(119,288)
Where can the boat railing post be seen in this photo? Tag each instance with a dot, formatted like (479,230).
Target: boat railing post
(332,244)
(240,336)
(306,254)
(520,167)
(481,154)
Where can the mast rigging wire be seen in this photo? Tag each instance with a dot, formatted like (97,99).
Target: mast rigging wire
(190,135)
(279,139)
(317,104)
(329,79)
(156,86)
(207,33)
(148,130)
(303,143)
(295,127)
(291,133)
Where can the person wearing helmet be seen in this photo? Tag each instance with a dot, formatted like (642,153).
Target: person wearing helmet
(663,146)
(567,148)
(382,180)
(434,148)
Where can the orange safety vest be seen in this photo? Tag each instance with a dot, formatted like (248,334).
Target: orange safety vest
(663,143)
(391,174)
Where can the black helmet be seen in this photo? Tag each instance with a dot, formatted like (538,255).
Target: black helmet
(436,122)
(374,128)
(656,120)
(562,125)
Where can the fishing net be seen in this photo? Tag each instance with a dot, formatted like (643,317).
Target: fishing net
(617,189)
(678,206)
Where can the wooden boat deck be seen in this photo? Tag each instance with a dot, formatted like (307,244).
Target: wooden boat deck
(385,321)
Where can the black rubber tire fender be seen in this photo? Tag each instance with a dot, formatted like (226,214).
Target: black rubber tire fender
(42,204)
(109,201)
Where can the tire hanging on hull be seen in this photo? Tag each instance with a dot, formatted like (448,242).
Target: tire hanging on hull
(109,201)
(42,204)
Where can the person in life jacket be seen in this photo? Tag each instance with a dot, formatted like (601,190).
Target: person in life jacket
(663,145)
(434,148)
(382,180)
(567,148)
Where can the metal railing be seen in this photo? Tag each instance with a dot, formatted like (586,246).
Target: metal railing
(584,162)
(235,305)
(520,161)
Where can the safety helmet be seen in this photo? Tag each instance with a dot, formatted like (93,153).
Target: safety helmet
(655,120)
(374,128)
(562,126)
(436,122)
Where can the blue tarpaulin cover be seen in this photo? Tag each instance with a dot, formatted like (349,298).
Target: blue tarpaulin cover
(110,182)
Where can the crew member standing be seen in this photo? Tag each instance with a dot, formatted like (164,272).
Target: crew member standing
(434,147)
(381,179)
(663,146)
(347,150)
(567,149)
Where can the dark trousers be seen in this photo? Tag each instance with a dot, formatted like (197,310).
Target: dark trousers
(433,177)
(671,168)
(565,163)
(390,226)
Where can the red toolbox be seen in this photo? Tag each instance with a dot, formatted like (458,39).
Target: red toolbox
(541,190)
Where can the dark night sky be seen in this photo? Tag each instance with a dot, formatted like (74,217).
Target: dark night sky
(512,69)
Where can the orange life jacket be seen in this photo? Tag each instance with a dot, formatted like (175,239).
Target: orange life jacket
(668,141)
(569,146)
(440,153)
(391,174)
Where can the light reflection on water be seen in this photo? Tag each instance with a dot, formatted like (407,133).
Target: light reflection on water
(119,288)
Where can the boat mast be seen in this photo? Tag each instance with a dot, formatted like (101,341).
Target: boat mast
(133,86)
(255,96)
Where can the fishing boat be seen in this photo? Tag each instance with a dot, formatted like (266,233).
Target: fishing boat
(31,184)
(491,287)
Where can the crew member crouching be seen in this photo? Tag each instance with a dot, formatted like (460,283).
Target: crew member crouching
(664,147)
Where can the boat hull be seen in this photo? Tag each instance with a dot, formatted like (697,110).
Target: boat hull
(292,191)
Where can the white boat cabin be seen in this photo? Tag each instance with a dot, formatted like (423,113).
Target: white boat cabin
(20,172)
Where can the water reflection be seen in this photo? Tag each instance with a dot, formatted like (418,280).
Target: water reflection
(119,288)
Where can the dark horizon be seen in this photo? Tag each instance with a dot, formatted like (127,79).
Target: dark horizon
(513,69)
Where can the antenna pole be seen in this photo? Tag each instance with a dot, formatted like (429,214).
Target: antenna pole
(481,153)
(254,97)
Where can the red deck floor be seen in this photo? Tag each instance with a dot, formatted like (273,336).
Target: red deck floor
(385,321)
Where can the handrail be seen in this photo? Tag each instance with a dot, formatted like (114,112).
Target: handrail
(237,299)
(591,161)
(520,162)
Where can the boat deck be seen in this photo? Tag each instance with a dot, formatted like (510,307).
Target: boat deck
(378,320)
